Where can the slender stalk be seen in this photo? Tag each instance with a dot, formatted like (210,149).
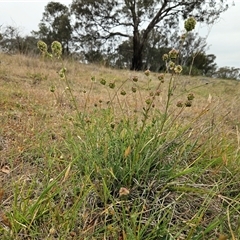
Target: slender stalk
(165,114)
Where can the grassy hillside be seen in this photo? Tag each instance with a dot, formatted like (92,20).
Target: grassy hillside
(116,154)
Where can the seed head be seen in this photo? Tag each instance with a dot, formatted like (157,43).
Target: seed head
(123,92)
(56,49)
(147,72)
(178,69)
(112,85)
(52,89)
(165,57)
(161,77)
(151,94)
(148,101)
(158,92)
(52,231)
(190,96)
(134,89)
(171,65)
(42,46)
(173,54)
(62,73)
(189,24)
(103,81)
(179,104)
(188,103)
(135,78)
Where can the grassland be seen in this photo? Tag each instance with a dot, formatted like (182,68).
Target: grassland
(82,160)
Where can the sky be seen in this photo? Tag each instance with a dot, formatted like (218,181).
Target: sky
(223,38)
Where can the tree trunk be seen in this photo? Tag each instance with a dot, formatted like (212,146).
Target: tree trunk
(137,61)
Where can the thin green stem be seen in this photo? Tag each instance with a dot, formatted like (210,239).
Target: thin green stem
(165,114)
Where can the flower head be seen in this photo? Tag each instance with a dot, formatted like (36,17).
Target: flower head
(134,89)
(148,101)
(56,49)
(190,96)
(189,24)
(147,72)
(165,57)
(123,92)
(123,191)
(161,77)
(188,103)
(42,46)
(103,81)
(111,85)
(135,78)
(179,104)
(173,54)
(171,65)
(178,69)
(62,73)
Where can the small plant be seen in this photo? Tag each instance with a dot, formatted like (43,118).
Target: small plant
(126,154)
(56,48)
(135,157)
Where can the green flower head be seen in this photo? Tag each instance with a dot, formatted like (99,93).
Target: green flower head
(134,89)
(171,65)
(62,73)
(173,54)
(42,46)
(190,96)
(111,85)
(103,81)
(165,57)
(123,92)
(178,69)
(189,24)
(56,49)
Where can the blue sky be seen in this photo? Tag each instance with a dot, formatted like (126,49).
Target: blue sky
(223,37)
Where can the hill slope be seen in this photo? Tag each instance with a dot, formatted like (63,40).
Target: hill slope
(107,154)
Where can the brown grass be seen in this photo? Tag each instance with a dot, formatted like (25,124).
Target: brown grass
(27,105)
(33,118)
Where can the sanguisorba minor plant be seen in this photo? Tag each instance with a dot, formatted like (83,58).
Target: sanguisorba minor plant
(147,176)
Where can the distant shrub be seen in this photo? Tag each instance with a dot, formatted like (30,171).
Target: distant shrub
(228,73)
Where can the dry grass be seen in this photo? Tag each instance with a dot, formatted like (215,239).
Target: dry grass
(36,121)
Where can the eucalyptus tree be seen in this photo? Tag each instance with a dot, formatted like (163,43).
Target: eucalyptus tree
(97,21)
(55,25)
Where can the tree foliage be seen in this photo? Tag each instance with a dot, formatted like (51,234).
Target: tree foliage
(105,20)
(228,73)
(192,53)
(55,25)
(12,41)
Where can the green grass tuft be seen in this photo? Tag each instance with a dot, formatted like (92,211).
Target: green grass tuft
(97,153)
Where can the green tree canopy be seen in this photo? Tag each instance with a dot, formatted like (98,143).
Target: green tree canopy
(108,20)
(228,73)
(55,25)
